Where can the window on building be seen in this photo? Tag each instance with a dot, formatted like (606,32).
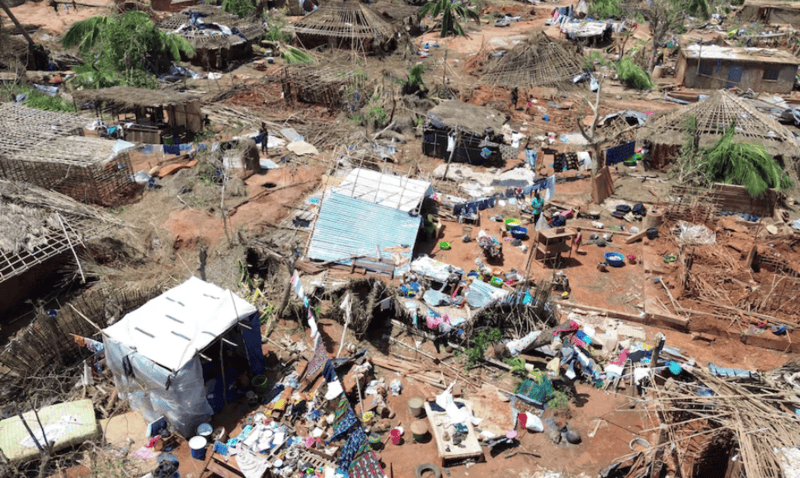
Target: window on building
(707,68)
(771,75)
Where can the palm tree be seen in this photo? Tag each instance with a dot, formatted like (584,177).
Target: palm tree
(450,13)
(86,33)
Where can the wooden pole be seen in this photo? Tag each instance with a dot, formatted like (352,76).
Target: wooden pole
(452,153)
(16,22)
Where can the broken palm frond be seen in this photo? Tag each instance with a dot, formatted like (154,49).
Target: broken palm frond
(538,61)
(633,75)
(294,56)
(745,164)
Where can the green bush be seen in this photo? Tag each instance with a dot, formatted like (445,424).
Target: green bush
(293,56)
(603,9)
(276,24)
(240,8)
(42,101)
(633,75)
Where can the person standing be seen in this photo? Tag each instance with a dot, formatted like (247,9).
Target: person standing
(578,239)
(265,135)
(536,205)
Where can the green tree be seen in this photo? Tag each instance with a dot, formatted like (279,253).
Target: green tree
(240,8)
(606,9)
(745,164)
(127,50)
(451,12)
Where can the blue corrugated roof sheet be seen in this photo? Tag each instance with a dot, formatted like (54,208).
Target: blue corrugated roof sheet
(349,227)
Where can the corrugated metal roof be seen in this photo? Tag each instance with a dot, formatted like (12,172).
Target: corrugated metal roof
(762,55)
(349,227)
(398,192)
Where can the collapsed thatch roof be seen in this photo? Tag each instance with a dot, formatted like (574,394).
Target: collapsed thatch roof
(467,117)
(207,33)
(78,151)
(21,127)
(38,224)
(538,61)
(349,19)
(126,98)
(714,115)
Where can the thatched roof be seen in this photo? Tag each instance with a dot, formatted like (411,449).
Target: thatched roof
(714,115)
(36,224)
(467,117)
(21,127)
(210,35)
(79,151)
(538,61)
(126,98)
(349,19)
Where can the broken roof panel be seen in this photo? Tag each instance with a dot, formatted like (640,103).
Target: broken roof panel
(396,192)
(170,329)
(348,228)
(760,55)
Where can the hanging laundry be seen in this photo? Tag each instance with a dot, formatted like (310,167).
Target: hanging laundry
(620,153)
(451,143)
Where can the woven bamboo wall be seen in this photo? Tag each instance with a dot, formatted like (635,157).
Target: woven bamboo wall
(47,340)
(96,183)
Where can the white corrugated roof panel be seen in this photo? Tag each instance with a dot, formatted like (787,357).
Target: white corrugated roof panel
(397,192)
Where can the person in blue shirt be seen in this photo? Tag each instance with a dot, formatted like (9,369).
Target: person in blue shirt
(536,205)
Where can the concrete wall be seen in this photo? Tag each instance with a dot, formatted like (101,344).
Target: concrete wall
(752,75)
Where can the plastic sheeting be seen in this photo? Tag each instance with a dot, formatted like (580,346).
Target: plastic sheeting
(154,391)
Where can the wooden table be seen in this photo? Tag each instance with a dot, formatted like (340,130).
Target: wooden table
(550,243)
(470,448)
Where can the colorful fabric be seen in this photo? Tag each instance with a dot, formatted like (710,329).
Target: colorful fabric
(320,357)
(573,326)
(344,424)
(366,465)
(298,288)
(433,320)
(353,444)
(622,358)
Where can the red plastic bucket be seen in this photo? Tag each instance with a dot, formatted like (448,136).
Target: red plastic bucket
(395,434)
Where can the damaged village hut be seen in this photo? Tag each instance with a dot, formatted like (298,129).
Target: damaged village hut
(217,37)
(538,61)
(158,116)
(714,115)
(474,132)
(330,85)
(348,25)
(180,355)
(40,227)
(90,170)
(370,221)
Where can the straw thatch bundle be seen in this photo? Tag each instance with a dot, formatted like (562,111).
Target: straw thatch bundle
(538,61)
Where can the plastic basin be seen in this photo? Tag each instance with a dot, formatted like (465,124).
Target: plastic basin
(614,259)
(512,222)
(519,232)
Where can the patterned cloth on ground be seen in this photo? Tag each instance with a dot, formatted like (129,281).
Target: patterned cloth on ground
(541,392)
(354,441)
(366,465)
